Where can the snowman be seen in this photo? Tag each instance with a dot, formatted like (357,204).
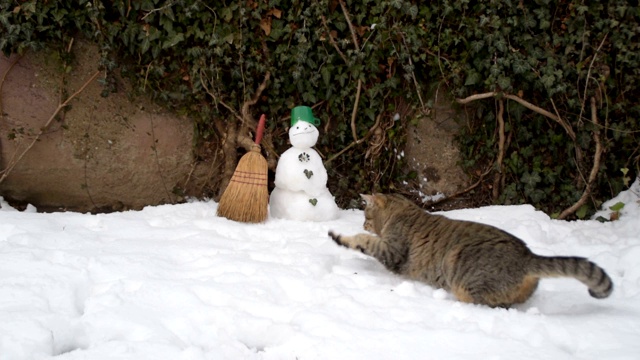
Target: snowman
(300,191)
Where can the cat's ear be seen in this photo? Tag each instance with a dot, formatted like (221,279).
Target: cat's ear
(368,199)
(374,200)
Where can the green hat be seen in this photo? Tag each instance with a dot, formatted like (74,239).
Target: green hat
(303,113)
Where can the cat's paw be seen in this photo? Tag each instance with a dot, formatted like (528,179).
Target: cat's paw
(336,238)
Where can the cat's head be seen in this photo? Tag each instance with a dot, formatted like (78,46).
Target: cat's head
(379,208)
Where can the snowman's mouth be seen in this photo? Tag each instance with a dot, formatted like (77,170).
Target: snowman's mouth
(303,133)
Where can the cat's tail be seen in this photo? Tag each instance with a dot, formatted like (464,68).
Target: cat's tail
(599,283)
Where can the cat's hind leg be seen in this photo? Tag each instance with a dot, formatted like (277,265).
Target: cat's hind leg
(502,293)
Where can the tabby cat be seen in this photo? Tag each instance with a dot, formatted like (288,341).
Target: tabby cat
(478,263)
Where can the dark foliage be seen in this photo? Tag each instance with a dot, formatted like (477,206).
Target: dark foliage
(205,59)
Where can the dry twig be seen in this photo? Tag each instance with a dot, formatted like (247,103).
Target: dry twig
(332,40)
(154,147)
(246,115)
(586,80)
(415,81)
(594,169)
(354,36)
(473,186)
(498,177)
(165,6)
(596,135)
(354,113)
(356,142)
(215,98)
(61,106)
(524,103)
(4,77)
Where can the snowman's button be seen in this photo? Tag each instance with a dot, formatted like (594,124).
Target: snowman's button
(308,173)
(304,157)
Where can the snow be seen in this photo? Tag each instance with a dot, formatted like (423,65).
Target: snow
(177,282)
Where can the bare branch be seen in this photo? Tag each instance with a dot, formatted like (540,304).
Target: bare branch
(333,41)
(356,142)
(413,76)
(498,177)
(166,6)
(475,97)
(246,116)
(586,81)
(354,36)
(154,147)
(4,77)
(535,108)
(61,106)
(335,156)
(596,136)
(438,55)
(473,186)
(594,169)
(564,124)
(354,113)
(245,141)
(524,103)
(215,98)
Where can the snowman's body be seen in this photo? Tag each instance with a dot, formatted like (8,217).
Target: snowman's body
(300,191)
(301,170)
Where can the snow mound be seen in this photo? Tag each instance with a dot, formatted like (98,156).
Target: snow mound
(177,282)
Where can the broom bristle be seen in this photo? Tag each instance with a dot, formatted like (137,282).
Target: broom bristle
(246,198)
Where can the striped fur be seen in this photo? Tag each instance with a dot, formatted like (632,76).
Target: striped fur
(478,263)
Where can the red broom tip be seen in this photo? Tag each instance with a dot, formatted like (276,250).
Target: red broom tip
(260,130)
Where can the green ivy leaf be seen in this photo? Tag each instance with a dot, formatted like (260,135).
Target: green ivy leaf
(548,81)
(413,11)
(504,82)
(520,67)
(617,206)
(530,179)
(477,45)
(473,78)
(144,45)
(29,7)
(582,212)
(226,14)
(173,40)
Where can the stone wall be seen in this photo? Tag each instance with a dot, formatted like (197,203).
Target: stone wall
(432,153)
(101,154)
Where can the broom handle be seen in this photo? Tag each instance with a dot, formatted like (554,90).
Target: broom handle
(260,130)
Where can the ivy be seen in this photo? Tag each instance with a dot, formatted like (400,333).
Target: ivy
(205,59)
(562,55)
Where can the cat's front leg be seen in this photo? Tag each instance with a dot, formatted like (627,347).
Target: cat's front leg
(360,242)
(390,256)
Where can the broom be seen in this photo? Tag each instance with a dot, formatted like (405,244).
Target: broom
(246,198)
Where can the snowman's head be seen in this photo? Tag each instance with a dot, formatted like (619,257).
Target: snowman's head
(303,135)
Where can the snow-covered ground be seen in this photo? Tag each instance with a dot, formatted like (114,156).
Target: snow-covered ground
(177,282)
